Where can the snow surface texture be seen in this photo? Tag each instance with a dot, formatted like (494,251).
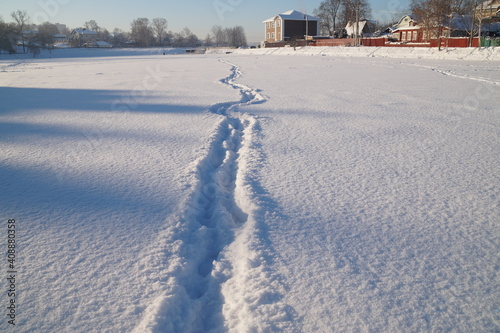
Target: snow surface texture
(252,193)
(479,54)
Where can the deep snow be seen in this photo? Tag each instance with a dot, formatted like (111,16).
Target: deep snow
(251,192)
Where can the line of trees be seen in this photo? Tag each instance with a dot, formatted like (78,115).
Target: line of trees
(227,37)
(143,33)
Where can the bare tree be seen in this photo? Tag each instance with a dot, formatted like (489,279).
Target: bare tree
(219,36)
(209,40)
(336,14)
(236,37)
(185,38)
(191,38)
(46,32)
(92,26)
(118,37)
(159,28)
(7,32)
(141,32)
(436,15)
(328,12)
(354,9)
(22,19)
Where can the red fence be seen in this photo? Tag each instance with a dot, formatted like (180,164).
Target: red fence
(384,42)
(333,42)
(374,41)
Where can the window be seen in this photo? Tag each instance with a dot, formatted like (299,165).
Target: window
(415,35)
(279,24)
(268,35)
(272,25)
(272,35)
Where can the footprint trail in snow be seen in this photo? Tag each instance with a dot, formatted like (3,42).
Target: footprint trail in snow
(204,256)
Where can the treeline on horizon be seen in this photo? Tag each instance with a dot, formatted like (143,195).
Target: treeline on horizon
(333,14)
(143,33)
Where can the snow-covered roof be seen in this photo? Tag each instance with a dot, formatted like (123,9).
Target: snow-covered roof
(351,27)
(405,23)
(293,15)
(458,22)
(415,27)
(103,44)
(84,32)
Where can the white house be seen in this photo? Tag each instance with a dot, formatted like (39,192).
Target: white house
(366,28)
(82,36)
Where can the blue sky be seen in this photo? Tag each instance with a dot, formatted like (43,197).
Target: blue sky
(198,15)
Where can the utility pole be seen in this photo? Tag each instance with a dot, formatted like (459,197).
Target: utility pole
(307,30)
(356,30)
(480,22)
(471,39)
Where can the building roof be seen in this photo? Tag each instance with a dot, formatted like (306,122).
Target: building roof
(365,26)
(458,23)
(84,32)
(103,44)
(415,27)
(293,15)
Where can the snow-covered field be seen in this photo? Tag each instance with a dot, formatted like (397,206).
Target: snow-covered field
(251,192)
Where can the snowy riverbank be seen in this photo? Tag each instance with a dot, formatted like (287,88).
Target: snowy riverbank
(492,53)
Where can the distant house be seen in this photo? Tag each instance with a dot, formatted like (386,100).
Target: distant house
(102,44)
(60,38)
(407,30)
(365,28)
(82,36)
(405,22)
(290,25)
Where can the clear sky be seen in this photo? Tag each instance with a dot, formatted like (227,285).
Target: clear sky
(198,15)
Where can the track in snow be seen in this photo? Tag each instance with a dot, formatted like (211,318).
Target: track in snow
(217,212)
(205,225)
